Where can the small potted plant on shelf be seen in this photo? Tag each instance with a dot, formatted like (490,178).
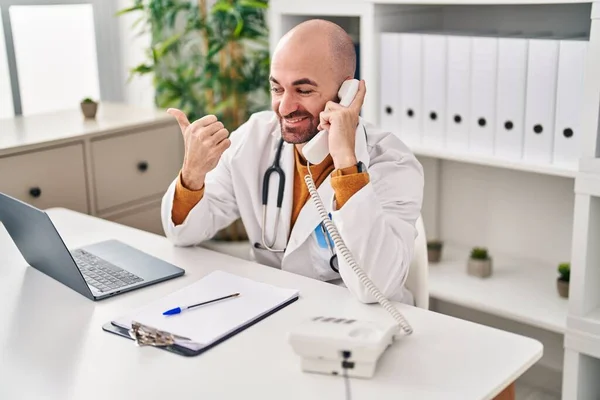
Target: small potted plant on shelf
(562,282)
(480,263)
(89,107)
(434,250)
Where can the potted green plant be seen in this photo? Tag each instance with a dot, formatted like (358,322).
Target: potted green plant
(562,282)
(207,57)
(89,107)
(434,250)
(479,263)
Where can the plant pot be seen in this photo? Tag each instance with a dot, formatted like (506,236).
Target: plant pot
(479,268)
(434,252)
(563,288)
(89,109)
(434,255)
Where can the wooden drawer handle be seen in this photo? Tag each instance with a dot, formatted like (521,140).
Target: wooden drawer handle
(35,192)
(142,166)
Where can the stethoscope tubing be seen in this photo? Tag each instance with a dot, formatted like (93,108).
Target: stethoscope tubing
(276,168)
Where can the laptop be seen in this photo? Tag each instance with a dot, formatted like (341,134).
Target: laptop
(97,271)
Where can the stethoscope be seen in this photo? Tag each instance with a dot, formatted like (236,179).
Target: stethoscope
(275,168)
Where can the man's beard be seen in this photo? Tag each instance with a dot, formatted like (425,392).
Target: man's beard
(298,135)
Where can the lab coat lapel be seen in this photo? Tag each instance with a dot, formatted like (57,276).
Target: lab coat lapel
(287,164)
(362,150)
(308,219)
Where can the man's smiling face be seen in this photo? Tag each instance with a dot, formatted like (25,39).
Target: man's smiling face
(301,84)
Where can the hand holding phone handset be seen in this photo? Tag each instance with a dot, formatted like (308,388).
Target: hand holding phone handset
(317,148)
(324,341)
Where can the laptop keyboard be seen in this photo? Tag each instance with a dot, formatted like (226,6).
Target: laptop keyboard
(101,274)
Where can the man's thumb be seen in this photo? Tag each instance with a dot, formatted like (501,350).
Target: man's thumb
(180,117)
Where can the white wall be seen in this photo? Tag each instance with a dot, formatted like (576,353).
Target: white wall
(55,50)
(6,105)
(57,60)
(520,214)
(139,90)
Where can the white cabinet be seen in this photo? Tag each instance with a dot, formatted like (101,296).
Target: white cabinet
(134,166)
(116,166)
(145,217)
(53,177)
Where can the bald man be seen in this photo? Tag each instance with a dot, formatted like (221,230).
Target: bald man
(370,184)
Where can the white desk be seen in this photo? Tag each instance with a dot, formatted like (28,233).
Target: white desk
(52,345)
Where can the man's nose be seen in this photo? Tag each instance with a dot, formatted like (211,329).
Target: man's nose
(287,105)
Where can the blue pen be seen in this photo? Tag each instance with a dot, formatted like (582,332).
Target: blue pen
(178,310)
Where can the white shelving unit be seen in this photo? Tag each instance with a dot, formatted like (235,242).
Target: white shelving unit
(517,165)
(530,216)
(582,338)
(544,310)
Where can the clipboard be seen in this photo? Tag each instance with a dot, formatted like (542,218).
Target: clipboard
(145,328)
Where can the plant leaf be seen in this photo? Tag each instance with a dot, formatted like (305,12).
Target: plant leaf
(128,10)
(163,47)
(255,4)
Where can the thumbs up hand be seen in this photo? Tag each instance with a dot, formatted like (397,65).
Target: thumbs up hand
(205,141)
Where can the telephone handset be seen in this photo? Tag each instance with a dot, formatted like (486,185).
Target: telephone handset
(317,148)
(334,345)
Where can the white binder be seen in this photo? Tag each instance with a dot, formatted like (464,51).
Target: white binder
(484,54)
(510,100)
(389,82)
(411,87)
(458,95)
(569,98)
(434,90)
(542,67)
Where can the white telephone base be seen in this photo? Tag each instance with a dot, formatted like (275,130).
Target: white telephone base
(328,344)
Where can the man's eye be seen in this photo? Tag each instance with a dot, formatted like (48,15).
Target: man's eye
(304,91)
(275,90)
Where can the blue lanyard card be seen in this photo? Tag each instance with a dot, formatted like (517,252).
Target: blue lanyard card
(320,236)
(320,232)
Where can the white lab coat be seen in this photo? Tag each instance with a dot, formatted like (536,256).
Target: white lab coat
(377,223)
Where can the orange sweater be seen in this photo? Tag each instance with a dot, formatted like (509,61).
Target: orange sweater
(345,182)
